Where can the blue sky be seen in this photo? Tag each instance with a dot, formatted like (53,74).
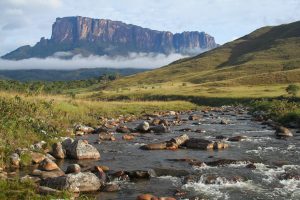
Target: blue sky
(26,21)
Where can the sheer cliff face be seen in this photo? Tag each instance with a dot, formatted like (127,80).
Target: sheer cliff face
(101,36)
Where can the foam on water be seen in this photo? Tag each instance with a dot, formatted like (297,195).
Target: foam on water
(218,189)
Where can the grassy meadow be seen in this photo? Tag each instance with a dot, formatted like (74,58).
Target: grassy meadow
(45,117)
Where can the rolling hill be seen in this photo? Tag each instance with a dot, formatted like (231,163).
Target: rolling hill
(260,64)
(269,55)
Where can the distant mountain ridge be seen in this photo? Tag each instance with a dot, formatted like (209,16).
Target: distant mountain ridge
(86,36)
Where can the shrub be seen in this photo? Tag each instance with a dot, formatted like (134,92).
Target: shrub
(292,89)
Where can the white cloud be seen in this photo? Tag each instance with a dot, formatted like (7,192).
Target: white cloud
(134,60)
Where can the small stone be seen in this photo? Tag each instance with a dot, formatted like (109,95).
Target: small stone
(143,127)
(283,132)
(107,137)
(58,150)
(74,168)
(48,165)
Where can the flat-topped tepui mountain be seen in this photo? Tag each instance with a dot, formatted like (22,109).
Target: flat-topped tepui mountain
(87,36)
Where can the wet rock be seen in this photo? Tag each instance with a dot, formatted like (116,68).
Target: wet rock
(104,168)
(121,175)
(283,132)
(251,166)
(169,172)
(196,143)
(123,129)
(107,137)
(192,162)
(155,146)
(143,127)
(50,156)
(80,182)
(127,137)
(139,174)
(74,168)
(57,151)
(214,179)
(48,165)
(160,129)
(237,138)
(100,174)
(14,160)
(223,162)
(221,137)
(80,149)
(111,187)
(146,197)
(180,140)
(47,174)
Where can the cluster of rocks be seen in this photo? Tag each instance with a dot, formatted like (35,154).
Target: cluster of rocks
(184,141)
(78,149)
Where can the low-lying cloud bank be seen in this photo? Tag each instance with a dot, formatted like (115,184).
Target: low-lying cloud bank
(134,60)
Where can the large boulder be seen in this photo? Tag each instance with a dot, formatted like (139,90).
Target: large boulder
(81,149)
(80,182)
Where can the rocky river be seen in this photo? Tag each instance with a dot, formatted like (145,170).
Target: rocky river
(221,153)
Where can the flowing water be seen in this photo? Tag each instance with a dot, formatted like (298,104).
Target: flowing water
(272,158)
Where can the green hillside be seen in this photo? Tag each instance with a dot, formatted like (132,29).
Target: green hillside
(269,55)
